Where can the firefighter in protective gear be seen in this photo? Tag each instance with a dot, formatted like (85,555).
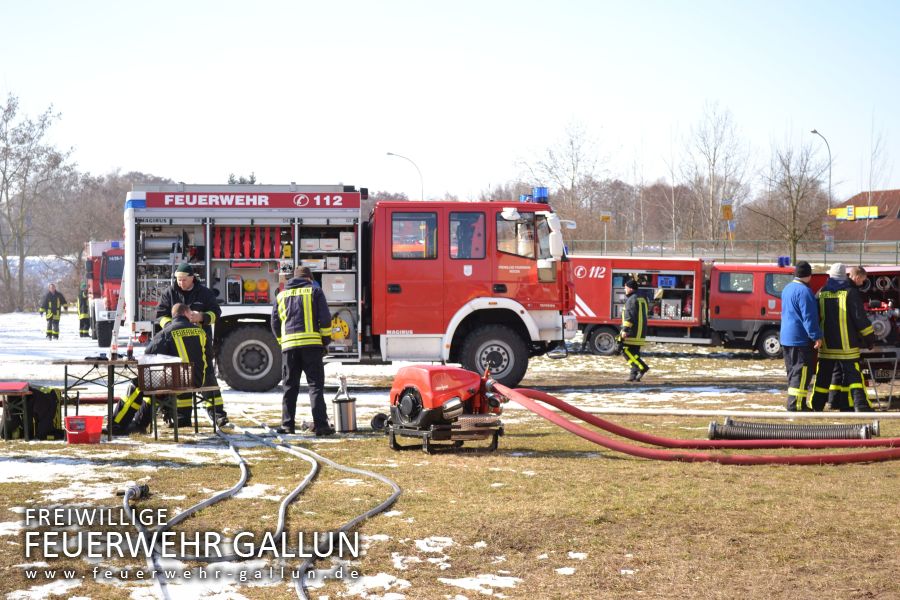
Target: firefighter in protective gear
(179,338)
(301,323)
(839,390)
(84,317)
(204,312)
(52,305)
(634,330)
(800,335)
(845,327)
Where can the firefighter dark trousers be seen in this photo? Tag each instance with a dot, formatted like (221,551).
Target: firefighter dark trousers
(213,401)
(131,413)
(84,327)
(850,376)
(53,327)
(306,360)
(798,362)
(839,390)
(633,356)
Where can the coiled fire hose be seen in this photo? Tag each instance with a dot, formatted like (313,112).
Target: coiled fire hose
(526,398)
(136,492)
(739,430)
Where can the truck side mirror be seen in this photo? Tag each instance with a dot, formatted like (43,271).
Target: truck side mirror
(556,245)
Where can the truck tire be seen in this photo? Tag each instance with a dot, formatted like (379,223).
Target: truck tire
(250,359)
(769,343)
(104,333)
(602,341)
(497,347)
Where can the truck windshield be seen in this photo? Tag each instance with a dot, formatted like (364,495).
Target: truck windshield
(113,267)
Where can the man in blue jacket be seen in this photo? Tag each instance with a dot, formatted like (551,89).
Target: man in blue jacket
(800,334)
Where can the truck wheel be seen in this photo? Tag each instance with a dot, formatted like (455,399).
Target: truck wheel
(602,340)
(769,343)
(250,359)
(104,333)
(499,348)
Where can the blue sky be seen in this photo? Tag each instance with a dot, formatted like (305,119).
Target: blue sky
(320,92)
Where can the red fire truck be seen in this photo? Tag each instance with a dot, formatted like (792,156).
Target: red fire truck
(697,302)
(481,284)
(103,265)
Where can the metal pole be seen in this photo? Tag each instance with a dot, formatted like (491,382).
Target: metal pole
(828,146)
(421,181)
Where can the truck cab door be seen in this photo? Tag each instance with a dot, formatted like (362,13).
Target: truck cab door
(467,266)
(516,275)
(413,284)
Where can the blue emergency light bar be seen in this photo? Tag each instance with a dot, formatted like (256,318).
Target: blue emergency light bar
(540,195)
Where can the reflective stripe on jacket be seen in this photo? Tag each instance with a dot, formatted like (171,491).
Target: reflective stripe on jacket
(300,316)
(185,340)
(199,298)
(52,304)
(845,325)
(634,320)
(83,305)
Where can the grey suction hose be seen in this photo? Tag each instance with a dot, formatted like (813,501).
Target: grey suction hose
(300,583)
(282,509)
(136,492)
(737,430)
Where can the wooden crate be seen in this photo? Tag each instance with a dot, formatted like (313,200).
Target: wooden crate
(167,376)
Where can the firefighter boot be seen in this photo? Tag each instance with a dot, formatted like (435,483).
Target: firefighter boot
(641,374)
(219,417)
(860,401)
(184,417)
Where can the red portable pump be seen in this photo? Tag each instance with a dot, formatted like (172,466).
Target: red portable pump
(441,403)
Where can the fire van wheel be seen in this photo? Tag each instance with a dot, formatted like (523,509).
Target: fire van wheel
(499,348)
(602,340)
(250,359)
(769,343)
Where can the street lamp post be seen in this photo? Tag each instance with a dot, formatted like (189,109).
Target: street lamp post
(421,181)
(828,146)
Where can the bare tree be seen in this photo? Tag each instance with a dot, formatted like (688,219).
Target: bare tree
(795,201)
(28,165)
(716,169)
(877,168)
(571,169)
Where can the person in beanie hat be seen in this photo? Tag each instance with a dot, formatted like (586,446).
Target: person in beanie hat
(800,335)
(838,271)
(204,311)
(634,330)
(845,327)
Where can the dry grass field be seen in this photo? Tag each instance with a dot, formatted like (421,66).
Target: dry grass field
(546,516)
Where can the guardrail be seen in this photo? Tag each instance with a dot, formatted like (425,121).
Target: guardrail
(753,251)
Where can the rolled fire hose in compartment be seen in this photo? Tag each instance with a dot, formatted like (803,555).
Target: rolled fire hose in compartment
(738,430)
(161,246)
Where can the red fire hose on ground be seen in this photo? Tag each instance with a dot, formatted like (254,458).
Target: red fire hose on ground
(526,398)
